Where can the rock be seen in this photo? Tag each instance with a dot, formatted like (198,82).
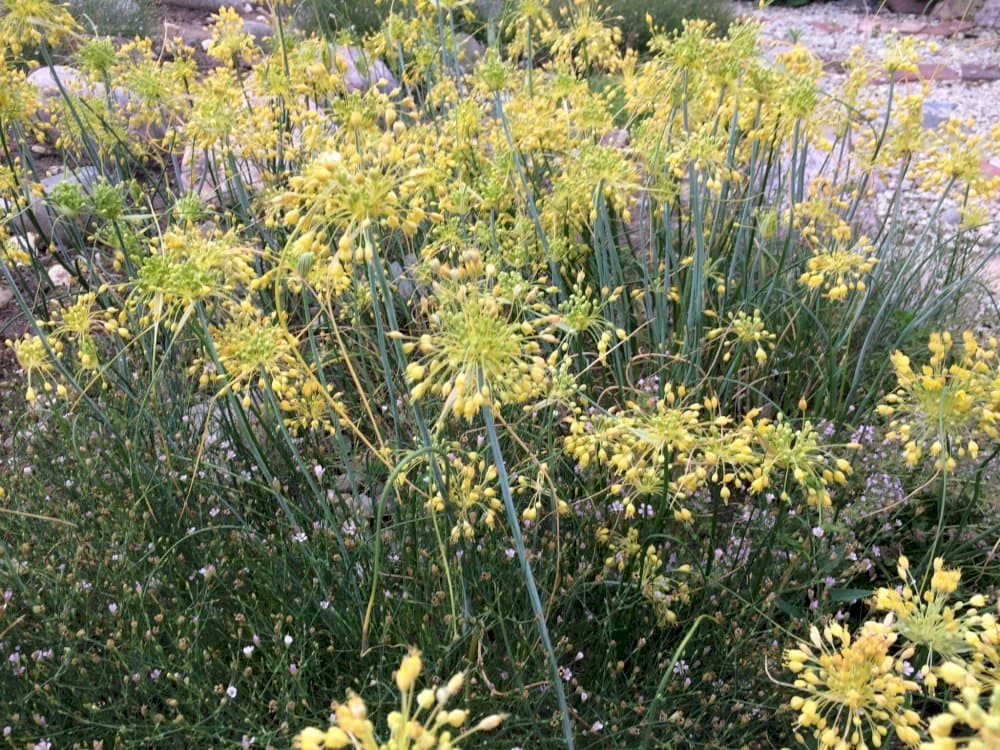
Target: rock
(54,82)
(615,138)
(53,222)
(50,83)
(206,173)
(489,8)
(908,6)
(189,36)
(207,5)
(936,111)
(988,16)
(59,276)
(956,9)
(950,217)
(470,51)
(948,28)
(6,295)
(924,72)
(974,72)
(261,32)
(361,72)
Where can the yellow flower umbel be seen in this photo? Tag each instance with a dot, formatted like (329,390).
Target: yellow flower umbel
(423,721)
(796,454)
(484,347)
(743,331)
(840,269)
(972,720)
(26,23)
(949,405)
(968,724)
(855,691)
(928,619)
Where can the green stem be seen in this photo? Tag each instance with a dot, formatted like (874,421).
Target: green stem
(529,578)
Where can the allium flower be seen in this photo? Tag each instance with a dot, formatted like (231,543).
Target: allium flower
(25,23)
(949,405)
(855,690)
(428,725)
(968,724)
(744,330)
(928,619)
(185,267)
(839,270)
(484,347)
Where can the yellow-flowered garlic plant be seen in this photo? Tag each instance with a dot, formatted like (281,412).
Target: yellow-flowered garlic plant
(929,618)
(423,720)
(853,688)
(947,407)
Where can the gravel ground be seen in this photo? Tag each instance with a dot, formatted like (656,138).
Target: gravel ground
(962,66)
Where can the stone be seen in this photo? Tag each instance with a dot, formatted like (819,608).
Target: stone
(948,28)
(59,276)
(260,31)
(828,27)
(924,72)
(990,168)
(6,295)
(50,83)
(936,112)
(881,24)
(956,9)
(950,217)
(988,16)
(206,5)
(189,36)
(975,72)
(489,8)
(361,72)
(908,6)
(470,51)
(206,173)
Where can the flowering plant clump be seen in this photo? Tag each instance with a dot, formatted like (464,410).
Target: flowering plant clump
(948,406)
(860,689)
(423,721)
(856,690)
(564,355)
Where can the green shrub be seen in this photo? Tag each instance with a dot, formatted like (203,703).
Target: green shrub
(123,18)
(667,15)
(547,368)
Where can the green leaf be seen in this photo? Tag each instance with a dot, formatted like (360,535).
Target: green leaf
(849,595)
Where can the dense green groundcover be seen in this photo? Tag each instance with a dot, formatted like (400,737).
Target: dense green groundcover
(551,395)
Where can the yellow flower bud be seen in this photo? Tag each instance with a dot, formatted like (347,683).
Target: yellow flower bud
(490,723)
(336,738)
(409,670)
(309,738)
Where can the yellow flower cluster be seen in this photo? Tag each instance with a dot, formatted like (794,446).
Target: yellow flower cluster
(28,23)
(972,719)
(839,270)
(855,687)
(672,447)
(929,619)
(484,345)
(947,406)
(744,330)
(423,721)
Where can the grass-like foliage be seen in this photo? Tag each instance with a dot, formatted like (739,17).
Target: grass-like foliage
(596,379)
